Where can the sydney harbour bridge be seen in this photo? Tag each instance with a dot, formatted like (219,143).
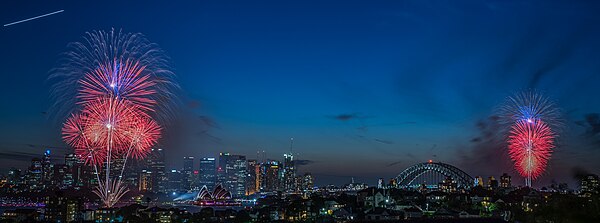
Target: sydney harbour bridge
(431,174)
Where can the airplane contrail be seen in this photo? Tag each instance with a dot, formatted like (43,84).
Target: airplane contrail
(29,19)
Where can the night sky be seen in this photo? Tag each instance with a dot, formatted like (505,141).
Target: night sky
(365,88)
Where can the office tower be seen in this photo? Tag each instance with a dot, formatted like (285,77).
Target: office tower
(188,173)
(288,173)
(307,182)
(253,179)
(380,183)
(69,172)
(208,172)
(232,173)
(34,179)
(116,167)
(132,172)
(174,181)
(47,168)
(146,183)
(61,177)
(270,172)
(505,181)
(155,165)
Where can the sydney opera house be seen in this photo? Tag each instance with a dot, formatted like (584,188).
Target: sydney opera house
(218,197)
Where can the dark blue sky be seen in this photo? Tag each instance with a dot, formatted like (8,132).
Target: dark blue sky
(366,88)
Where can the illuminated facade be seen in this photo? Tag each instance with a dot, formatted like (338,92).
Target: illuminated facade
(34,175)
(288,173)
(188,173)
(146,183)
(590,185)
(270,176)
(156,165)
(232,173)
(253,179)
(307,182)
(448,185)
(505,181)
(207,175)
(174,181)
(47,168)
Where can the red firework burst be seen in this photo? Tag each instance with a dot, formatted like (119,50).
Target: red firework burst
(86,148)
(109,122)
(530,147)
(143,136)
(110,125)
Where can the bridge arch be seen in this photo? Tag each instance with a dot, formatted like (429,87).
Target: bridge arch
(407,177)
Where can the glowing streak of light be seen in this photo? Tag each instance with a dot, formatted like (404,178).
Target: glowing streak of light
(32,18)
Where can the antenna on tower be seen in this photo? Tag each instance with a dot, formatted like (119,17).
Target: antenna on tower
(291,145)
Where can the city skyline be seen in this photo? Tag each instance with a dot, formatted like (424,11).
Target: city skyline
(350,82)
(300,111)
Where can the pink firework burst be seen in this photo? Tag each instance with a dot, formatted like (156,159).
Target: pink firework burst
(143,136)
(530,147)
(109,122)
(86,148)
(128,80)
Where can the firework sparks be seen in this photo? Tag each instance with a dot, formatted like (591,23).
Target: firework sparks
(127,80)
(530,147)
(114,64)
(529,106)
(120,81)
(87,148)
(145,134)
(533,121)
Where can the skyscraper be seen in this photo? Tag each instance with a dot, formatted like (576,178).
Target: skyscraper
(253,179)
(146,181)
(35,175)
(288,173)
(307,182)
(174,181)
(155,171)
(208,172)
(47,168)
(188,172)
(233,173)
(270,172)
(72,171)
